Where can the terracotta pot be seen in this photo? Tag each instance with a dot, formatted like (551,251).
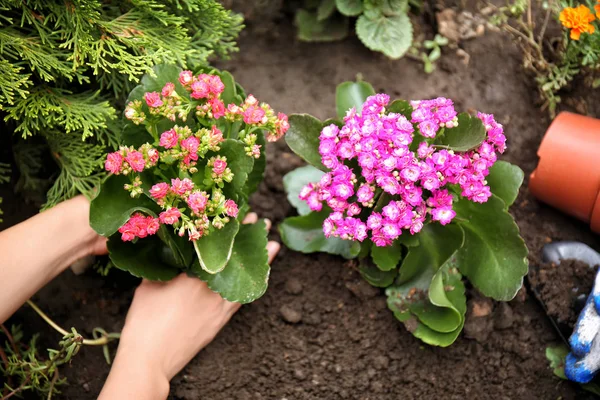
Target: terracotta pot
(568,173)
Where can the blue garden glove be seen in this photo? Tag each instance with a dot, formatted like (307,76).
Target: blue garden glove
(584,359)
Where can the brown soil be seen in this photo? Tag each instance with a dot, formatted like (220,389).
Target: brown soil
(562,286)
(347,345)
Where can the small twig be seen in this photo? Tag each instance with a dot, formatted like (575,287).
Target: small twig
(88,342)
(544,26)
(17,390)
(53,383)
(529,19)
(11,340)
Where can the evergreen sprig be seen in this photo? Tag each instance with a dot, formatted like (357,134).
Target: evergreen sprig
(65,67)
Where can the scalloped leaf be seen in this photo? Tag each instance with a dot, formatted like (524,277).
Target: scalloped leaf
(350,8)
(113,206)
(469,134)
(148,258)
(303,138)
(325,9)
(215,249)
(245,278)
(258,171)
(387,258)
(294,181)
(401,107)
(240,164)
(311,29)
(305,234)
(494,256)
(351,95)
(391,35)
(504,180)
(375,276)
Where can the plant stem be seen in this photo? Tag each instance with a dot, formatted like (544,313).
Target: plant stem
(88,342)
(52,384)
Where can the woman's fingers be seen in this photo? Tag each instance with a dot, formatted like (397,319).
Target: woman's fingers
(272,250)
(251,218)
(272,247)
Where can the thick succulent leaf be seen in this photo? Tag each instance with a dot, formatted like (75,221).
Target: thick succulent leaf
(311,29)
(504,180)
(391,35)
(375,276)
(229,94)
(294,181)
(387,258)
(401,107)
(113,206)
(494,256)
(240,164)
(351,94)
(469,134)
(163,73)
(181,249)
(325,9)
(305,234)
(258,171)
(215,250)
(246,275)
(148,258)
(437,243)
(350,8)
(303,138)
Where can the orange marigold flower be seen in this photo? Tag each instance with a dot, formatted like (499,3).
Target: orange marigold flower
(577,19)
(597,8)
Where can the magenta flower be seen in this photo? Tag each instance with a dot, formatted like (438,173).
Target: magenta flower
(253,115)
(113,162)
(444,215)
(159,190)
(169,139)
(153,99)
(181,186)
(218,108)
(200,89)
(136,161)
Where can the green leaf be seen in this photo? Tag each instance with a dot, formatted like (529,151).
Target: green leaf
(163,73)
(305,234)
(494,256)
(557,355)
(147,258)
(375,276)
(311,29)
(135,135)
(394,7)
(504,180)
(229,94)
(351,94)
(214,250)
(437,243)
(303,138)
(239,163)
(401,107)
(181,249)
(350,8)
(246,275)
(469,134)
(390,35)
(325,10)
(387,258)
(258,171)
(113,206)
(294,181)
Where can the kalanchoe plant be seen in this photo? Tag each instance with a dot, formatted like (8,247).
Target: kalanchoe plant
(192,152)
(415,192)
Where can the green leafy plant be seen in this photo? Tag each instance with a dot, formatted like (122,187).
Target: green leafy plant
(24,369)
(192,152)
(65,67)
(429,52)
(415,192)
(382,25)
(555,61)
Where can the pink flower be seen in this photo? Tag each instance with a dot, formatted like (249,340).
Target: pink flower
(169,139)
(113,162)
(159,190)
(219,166)
(168,89)
(181,186)
(191,144)
(170,216)
(153,156)
(231,208)
(153,99)
(253,115)
(444,215)
(200,89)
(215,84)
(186,77)
(152,225)
(218,108)
(365,193)
(138,226)
(197,201)
(216,137)
(136,161)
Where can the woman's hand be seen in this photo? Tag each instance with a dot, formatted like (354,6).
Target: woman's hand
(168,323)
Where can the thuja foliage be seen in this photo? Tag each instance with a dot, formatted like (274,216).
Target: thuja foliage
(382,25)
(414,190)
(555,61)
(65,67)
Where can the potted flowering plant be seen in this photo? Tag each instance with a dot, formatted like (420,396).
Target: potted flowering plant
(192,152)
(415,192)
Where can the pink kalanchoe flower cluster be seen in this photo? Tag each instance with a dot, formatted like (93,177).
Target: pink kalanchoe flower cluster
(127,160)
(415,181)
(138,226)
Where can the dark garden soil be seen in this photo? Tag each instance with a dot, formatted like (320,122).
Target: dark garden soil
(344,343)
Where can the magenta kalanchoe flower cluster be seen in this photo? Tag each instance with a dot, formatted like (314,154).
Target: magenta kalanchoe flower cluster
(190,207)
(415,182)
